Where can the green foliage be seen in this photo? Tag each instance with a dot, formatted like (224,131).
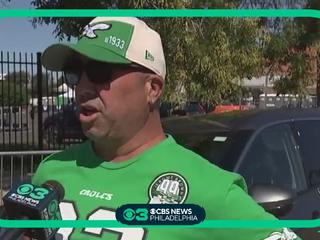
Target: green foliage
(298,78)
(283,56)
(49,86)
(208,57)
(279,45)
(311,26)
(205,56)
(13,89)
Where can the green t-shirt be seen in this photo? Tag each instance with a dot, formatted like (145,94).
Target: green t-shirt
(165,173)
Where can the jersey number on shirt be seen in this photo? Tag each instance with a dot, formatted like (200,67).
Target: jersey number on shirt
(68,212)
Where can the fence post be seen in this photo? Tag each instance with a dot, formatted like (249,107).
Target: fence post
(40,107)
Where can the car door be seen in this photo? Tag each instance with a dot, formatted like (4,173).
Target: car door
(273,157)
(308,139)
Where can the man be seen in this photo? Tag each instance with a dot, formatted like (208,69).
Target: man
(118,69)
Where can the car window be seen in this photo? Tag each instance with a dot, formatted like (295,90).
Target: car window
(272,158)
(308,133)
(214,148)
(221,148)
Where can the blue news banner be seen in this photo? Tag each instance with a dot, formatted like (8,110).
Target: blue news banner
(160,214)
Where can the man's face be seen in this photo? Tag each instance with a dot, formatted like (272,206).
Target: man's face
(114,109)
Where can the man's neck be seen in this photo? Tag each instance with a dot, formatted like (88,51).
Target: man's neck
(146,138)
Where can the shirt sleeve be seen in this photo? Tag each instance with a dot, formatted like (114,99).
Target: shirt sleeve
(40,175)
(240,206)
(37,177)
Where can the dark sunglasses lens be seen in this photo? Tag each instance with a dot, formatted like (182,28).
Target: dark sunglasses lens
(71,78)
(98,73)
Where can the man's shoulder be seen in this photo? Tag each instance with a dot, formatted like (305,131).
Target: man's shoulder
(71,153)
(189,158)
(57,162)
(201,170)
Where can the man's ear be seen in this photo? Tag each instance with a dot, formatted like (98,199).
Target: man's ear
(154,88)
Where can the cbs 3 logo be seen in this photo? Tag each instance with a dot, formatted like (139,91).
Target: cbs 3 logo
(139,214)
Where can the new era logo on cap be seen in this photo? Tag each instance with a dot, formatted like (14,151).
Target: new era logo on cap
(149,56)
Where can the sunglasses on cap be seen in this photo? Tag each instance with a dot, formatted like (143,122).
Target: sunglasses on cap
(97,72)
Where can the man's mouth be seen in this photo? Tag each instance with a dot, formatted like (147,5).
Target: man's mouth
(88,114)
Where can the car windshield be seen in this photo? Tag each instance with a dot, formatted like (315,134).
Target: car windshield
(194,107)
(220,148)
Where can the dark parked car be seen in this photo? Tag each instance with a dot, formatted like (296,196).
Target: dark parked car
(276,151)
(189,108)
(63,126)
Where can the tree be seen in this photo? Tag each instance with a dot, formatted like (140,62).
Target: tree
(13,89)
(293,43)
(210,56)
(275,23)
(206,57)
(310,40)
(273,4)
(283,56)
(49,86)
(299,76)
(67,27)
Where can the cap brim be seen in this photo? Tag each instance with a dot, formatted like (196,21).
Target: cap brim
(56,56)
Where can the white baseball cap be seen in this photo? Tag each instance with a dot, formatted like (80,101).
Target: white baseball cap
(119,40)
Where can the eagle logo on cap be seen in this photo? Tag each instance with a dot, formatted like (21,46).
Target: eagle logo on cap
(89,31)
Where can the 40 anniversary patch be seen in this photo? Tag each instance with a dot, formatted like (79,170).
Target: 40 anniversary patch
(168,188)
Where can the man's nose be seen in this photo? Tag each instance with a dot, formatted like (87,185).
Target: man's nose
(85,89)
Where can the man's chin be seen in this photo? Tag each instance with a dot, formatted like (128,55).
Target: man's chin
(93,134)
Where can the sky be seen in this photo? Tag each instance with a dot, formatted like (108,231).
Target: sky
(18,35)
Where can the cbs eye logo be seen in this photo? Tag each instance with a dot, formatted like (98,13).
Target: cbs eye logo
(140,214)
(37,193)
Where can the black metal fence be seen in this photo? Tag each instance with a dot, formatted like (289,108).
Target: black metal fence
(34,105)
(38,112)
(18,166)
